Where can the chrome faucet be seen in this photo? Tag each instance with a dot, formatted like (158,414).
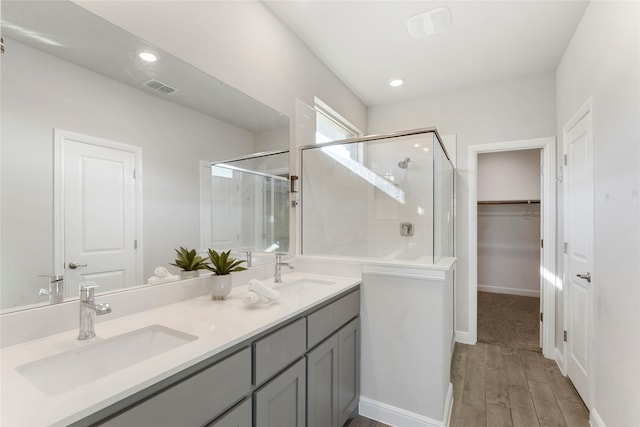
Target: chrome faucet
(89,309)
(277,277)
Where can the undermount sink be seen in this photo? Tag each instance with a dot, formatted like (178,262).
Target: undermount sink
(65,371)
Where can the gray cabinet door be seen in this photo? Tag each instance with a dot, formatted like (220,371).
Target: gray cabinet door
(322,384)
(281,402)
(348,370)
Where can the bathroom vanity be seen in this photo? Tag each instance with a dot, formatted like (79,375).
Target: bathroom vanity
(271,364)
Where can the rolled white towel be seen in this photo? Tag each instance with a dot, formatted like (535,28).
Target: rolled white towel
(251,298)
(162,275)
(161,271)
(263,290)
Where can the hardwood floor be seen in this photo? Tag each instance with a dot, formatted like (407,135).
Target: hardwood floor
(500,386)
(495,386)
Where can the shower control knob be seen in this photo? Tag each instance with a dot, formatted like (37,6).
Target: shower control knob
(73,265)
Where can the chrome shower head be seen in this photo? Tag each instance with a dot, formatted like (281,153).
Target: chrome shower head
(403,164)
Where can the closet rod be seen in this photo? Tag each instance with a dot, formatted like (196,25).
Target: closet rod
(507,202)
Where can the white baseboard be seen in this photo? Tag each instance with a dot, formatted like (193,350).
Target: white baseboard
(510,291)
(398,417)
(594,419)
(448,406)
(560,361)
(464,337)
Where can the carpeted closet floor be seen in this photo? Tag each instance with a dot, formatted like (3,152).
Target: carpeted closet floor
(509,320)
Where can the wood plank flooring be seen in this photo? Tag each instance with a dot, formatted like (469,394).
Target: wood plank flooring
(500,386)
(496,386)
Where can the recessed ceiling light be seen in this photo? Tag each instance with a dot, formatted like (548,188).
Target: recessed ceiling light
(430,22)
(396,82)
(148,56)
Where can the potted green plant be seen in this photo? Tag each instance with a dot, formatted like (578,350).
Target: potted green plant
(189,263)
(222,265)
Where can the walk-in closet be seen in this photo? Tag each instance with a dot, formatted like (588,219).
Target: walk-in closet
(509,248)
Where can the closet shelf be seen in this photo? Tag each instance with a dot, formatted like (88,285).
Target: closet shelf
(507,202)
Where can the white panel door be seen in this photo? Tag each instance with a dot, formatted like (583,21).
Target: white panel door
(579,252)
(99,195)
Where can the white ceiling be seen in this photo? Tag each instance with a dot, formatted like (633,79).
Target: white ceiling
(68,31)
(366,43)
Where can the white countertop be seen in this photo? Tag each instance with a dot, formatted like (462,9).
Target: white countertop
(218,325)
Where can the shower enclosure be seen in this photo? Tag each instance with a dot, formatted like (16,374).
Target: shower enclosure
(387,197)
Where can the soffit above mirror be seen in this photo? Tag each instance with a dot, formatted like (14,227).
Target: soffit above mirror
(78,36)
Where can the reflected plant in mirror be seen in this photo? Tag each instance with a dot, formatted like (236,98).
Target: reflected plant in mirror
(189,263)
(105,158)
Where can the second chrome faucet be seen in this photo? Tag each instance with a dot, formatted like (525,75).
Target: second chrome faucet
(89,309)
(278,274)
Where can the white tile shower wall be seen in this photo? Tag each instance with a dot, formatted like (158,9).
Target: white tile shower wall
(347,216)
(384,214)
(334,206)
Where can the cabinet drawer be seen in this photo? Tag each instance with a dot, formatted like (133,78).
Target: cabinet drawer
(275,351)
(195,400)
(240,416)
(327,320)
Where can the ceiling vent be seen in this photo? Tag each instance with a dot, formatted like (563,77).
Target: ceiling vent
(160,87)
(428,23)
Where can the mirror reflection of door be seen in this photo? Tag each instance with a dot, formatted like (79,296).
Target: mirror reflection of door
(97,205)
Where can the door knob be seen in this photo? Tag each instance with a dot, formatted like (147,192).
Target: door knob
(586,277)
(73,265)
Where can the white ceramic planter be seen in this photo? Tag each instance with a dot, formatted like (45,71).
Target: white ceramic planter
(189,274)
(220,286)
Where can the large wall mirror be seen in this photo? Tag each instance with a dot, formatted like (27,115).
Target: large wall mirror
(105,156)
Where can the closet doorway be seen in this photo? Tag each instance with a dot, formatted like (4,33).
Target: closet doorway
(509,248)
(544,275)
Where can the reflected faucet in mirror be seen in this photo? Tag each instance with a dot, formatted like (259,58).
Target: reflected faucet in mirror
(55,290)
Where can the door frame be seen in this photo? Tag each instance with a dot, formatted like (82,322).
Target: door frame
(582,112)
(59,137)
(548,212)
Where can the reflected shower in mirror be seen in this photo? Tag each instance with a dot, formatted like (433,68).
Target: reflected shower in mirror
(249,206)
(76,123)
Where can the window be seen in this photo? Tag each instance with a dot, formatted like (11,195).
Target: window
(330,126)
